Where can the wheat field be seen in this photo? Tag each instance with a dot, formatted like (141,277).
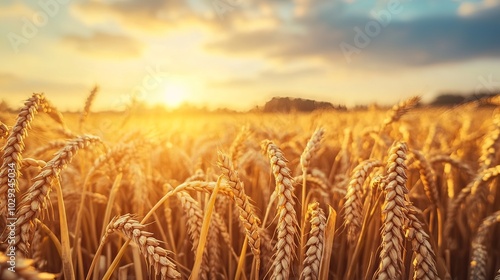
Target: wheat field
(405,193)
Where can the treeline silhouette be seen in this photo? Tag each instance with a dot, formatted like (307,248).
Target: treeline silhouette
(451,99)
(290,105)
(287,105)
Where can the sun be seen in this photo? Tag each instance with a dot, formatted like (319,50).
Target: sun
(175,93)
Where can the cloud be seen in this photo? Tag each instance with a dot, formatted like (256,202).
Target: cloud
(270,76)
(441,40)
(8,78)
(471,8)
(147,15)
(18,89)
(15,10)
(105,45)
(417,42)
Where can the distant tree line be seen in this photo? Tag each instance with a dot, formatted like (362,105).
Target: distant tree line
(290,105)
(451,99)
(287,105)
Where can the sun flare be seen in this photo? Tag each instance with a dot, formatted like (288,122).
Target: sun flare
(175,93)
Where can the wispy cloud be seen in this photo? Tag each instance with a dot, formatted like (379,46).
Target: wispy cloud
(270,76)
(105,45)
(149,16)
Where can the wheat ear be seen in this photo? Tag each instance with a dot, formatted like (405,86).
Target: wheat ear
(400,109)
(247,216)
(36,196)
(427,176)
(457,163)
(490,145)
(54,114)
(315,242)
(33,162)
(305,160)
(4,130)
(497,275)
(479,255)
(149,246)
(12,152)
(353,207)
(479,200)
(424,261)
(238,145)
(312,146)
(52,145)
(454,205)
(88,104)
(194,220)
(394,214)
(287,228)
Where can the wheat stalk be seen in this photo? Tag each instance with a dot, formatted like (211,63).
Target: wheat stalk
(324,186)
(224,232)
(213,251)
(394,210)
(198,175)
(287,218)
(342,159)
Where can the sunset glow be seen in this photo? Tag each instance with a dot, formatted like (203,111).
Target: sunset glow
(250,139)
(175,93)
(241,54)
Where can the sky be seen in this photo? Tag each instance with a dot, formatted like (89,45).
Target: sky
(240,53)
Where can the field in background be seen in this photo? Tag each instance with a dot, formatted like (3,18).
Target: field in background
(409,193)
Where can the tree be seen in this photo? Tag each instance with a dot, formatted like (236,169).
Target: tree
(448,100)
